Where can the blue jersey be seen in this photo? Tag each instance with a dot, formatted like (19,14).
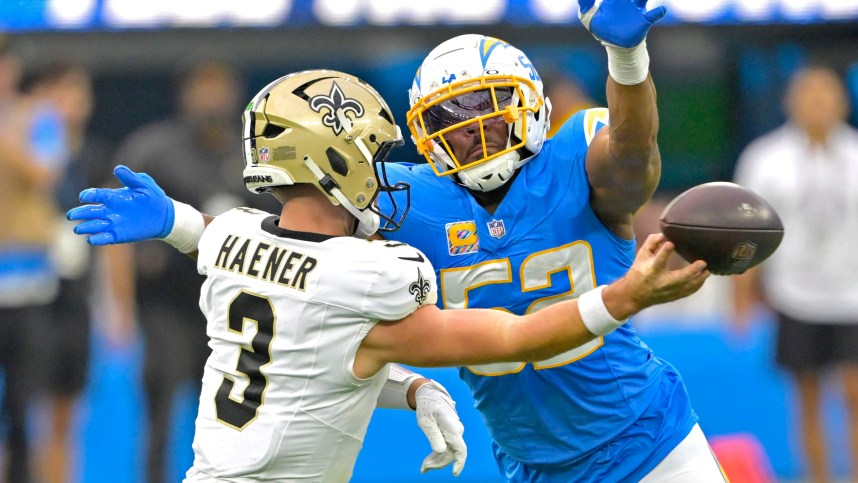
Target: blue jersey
(607,411)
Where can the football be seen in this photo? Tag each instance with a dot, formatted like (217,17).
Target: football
(728,226)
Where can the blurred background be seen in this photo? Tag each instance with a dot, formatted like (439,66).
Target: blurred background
(159,86)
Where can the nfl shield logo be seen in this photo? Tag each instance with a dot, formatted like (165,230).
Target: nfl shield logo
(496,228)
(744,251)
(263,154)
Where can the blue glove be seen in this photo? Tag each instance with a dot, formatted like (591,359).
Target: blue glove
(139,211)
(622,23)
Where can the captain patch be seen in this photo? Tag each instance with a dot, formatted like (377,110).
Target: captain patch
(462,238)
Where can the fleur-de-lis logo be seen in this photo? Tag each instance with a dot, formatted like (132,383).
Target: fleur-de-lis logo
(339,106)
(420,288)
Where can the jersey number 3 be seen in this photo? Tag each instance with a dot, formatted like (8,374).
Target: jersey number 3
(238,413)
(575,259)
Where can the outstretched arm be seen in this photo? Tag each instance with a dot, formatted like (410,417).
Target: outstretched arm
(623,161)
(434,337)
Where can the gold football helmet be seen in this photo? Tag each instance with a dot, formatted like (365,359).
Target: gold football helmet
(328,129)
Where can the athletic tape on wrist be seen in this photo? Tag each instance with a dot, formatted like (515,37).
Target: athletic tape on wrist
(188,227)
(628,66)
(595,315)
(394,393)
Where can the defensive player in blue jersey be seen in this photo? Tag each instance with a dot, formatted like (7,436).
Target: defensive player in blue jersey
(517,222)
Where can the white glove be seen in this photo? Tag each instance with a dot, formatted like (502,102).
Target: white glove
(437,417)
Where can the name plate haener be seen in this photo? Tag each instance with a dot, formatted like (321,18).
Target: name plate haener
(263,261)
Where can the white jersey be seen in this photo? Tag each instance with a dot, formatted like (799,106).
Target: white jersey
(814,189)
(286,313)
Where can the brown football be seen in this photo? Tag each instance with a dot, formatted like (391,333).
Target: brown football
(730,227)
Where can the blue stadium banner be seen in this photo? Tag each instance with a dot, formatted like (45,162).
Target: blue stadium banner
(136,14)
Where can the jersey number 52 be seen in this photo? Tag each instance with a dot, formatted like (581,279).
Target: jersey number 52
(575,259)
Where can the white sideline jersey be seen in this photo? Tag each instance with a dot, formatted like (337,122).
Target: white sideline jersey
(286,313)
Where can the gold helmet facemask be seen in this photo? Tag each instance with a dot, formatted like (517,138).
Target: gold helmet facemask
(331,130)
(470,104)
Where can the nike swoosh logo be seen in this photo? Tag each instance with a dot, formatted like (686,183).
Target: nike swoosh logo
(419,258)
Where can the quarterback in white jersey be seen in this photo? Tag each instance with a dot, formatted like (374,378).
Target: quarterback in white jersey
(286,314)
(306,316)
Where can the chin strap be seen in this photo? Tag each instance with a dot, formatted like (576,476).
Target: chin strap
(368,222)
(508,164)
(494,196)
(473,178)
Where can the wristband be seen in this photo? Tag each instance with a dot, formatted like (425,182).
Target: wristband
(628,66)
(188,227)
(595,315)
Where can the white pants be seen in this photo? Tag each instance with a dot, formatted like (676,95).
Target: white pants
(692,461)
